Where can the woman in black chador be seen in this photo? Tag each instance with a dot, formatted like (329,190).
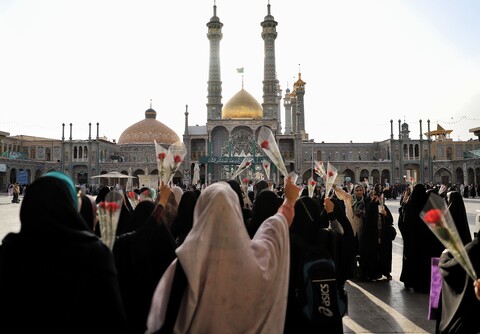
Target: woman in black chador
(183,222)
(56,261)
(376,238)
(141,257)
(266,204)
(460,307)
(311,238)
(419,243)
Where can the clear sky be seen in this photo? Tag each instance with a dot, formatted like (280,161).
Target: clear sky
(364,63)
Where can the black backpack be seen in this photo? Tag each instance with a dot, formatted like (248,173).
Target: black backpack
(318,292)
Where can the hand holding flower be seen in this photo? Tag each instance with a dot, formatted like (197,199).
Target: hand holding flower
(267,142)
(437,216)
(108,215)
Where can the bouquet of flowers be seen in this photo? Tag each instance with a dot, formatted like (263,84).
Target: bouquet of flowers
(246,163)
(267,142)
(437,216)
(133,198)
(108,215)
(266,168)
(311,186)
(169,160)
(330,177)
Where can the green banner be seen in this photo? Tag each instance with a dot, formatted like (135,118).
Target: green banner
(228,160)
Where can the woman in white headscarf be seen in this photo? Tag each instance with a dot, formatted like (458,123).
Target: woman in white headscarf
(234,284)
(177,192)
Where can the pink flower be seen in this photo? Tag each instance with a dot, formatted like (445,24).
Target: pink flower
(264,144)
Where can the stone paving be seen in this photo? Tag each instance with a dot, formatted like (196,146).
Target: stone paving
(374,307)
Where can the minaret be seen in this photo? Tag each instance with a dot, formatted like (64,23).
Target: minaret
(279,109)
(270,82)
(299,88)
(186,119)
(293,103)
(214,97)
(288,112)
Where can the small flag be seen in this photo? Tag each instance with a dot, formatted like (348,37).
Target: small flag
(240,70)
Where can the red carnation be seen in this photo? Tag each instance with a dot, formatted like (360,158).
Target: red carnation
(177,159)
(162,156)
(330,173)
(245,180)
(264,144)
(131,194)
(313,183)
(266,165)
(247,163)
(433,216)
(113,206)
(109,206)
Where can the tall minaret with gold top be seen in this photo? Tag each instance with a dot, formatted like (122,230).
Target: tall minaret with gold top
(270,83)
(214,104)
(299,89)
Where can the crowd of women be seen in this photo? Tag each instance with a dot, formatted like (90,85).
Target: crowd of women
(204,262)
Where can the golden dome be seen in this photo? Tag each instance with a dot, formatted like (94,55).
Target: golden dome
(242,105)
(148,130)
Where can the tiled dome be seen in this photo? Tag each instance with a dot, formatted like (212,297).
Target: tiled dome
(148,130)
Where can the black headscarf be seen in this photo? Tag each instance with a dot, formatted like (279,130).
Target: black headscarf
(259,186)
(101,194)
(48,200)
(306,221)
(142,212)
(266,204)
(184,220)
(418,197)
(236,187)
(459,215)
